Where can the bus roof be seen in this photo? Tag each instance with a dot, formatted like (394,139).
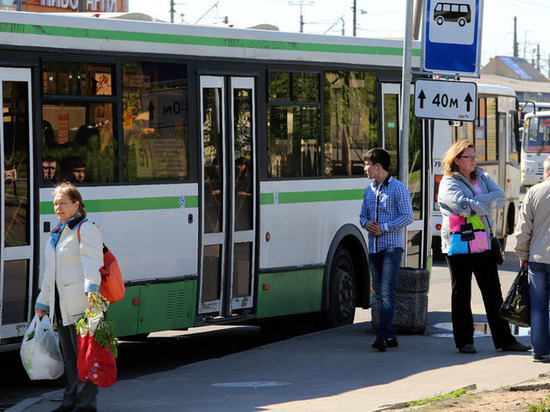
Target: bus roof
(528,106)
(22,29)
(491,89)
(541,113)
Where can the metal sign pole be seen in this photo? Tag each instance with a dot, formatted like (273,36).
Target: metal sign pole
(406,96)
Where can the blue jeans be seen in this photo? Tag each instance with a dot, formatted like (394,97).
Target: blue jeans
(539,286)
(384,267)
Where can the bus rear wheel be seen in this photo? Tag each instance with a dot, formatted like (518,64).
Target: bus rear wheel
(341,310)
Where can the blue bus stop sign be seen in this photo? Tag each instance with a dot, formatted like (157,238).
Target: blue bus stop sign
(451,41)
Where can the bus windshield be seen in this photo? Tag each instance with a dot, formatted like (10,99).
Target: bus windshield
(537,138)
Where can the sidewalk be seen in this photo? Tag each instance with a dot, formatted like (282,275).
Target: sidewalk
(326,371)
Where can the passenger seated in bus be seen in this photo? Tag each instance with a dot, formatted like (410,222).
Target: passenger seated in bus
(73,169)
(49,167)
(48,135)
(85,132)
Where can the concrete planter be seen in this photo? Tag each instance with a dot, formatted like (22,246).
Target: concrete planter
(411,301)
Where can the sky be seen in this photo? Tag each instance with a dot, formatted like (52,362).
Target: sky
(384,18)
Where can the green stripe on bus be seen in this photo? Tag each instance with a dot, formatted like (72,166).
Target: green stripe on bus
(123,205)
(199,40)
(172,202)
(312,196)
(267,198)
(321,196)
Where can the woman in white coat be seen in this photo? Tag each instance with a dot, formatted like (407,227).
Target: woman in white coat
(71,281)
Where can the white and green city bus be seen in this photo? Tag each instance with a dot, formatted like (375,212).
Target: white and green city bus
(223,166)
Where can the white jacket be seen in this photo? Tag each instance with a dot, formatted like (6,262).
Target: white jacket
(74,268)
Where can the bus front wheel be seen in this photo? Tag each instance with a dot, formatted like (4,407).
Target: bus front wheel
(341,310)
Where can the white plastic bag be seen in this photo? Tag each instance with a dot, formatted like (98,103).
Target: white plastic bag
(40,351)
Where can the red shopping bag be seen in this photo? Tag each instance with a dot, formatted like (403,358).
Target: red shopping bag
(95,363)
(112,284)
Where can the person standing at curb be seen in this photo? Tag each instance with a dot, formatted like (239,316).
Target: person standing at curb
(466,198)
(386,211)
(533,251)
(70,284)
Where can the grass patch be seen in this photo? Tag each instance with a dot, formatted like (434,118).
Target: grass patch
(456,394)
(542,406)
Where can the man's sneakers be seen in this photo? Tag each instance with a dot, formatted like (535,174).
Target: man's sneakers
(379,344)
(541,358)
(392,343)
(382,344)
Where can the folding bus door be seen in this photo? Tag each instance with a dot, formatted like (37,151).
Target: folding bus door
(228,195)
(16,214)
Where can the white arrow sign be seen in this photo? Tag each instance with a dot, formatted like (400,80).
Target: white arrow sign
(446,100)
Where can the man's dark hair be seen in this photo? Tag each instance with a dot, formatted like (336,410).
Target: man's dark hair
(378,156)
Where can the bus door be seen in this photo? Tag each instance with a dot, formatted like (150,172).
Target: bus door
(16,213)
(228,195)
(415,233)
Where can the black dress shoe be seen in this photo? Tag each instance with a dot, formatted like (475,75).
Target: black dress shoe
(64,408)
(379,344)
(468,348)
(516,347)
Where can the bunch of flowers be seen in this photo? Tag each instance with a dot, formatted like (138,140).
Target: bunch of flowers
(94,323)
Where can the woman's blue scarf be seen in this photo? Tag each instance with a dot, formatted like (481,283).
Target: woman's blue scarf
(56,233)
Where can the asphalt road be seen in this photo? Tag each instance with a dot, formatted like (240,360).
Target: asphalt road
(161,351)
(169,350)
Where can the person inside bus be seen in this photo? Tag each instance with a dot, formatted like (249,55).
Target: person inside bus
(49,167)
(242,178)
(243,195)
(70,283)
(467,195)
(386,211)
(73,169)
(212,197)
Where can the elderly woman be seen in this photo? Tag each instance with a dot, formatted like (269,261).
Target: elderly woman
(71,281)
(466,197)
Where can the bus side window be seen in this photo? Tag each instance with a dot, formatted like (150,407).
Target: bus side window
(81,130)
(78,123)
(156,136)
(513,138)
